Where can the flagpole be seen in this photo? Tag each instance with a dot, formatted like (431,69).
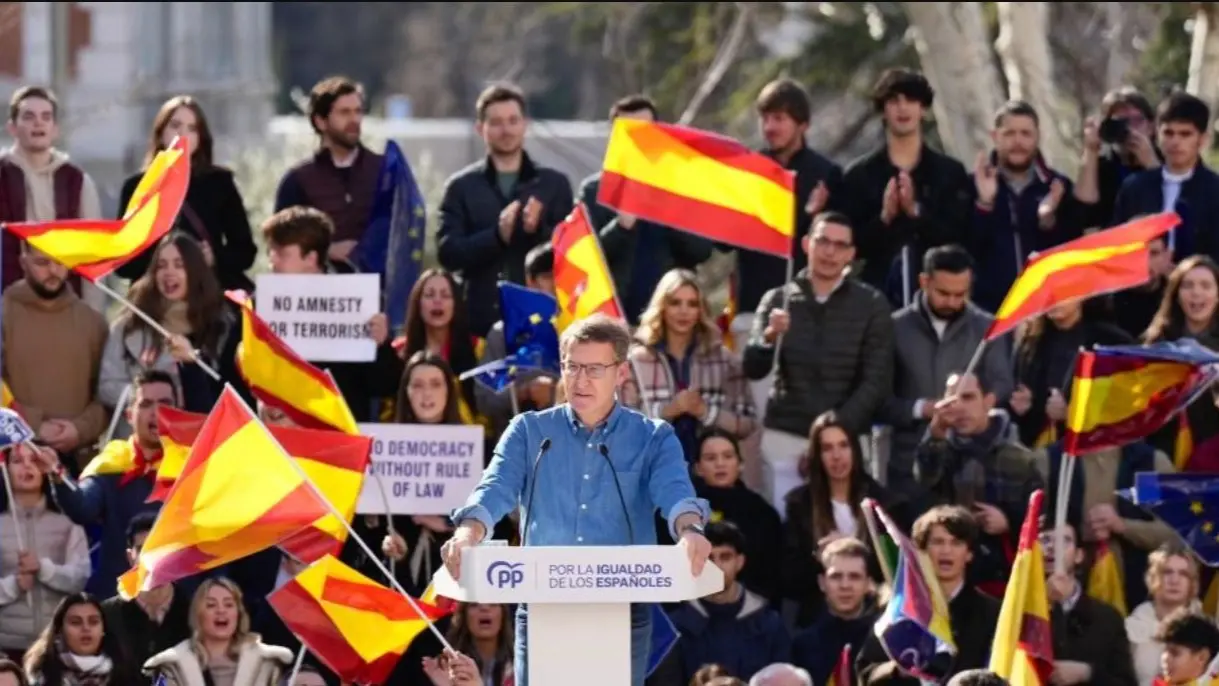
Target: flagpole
(12,510)
(153,324)
(1066,474)
(791,273)
(296,668)
(373,557)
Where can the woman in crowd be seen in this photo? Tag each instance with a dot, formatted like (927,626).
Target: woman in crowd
(181,293)
(428,395)
(213,213)
(1172,583)
(43,555)
(76,650)
(1045,364)
(221,650)
(436,322)
(827,507)
(717,479)
(1188,311)
(681,370)
(483,632)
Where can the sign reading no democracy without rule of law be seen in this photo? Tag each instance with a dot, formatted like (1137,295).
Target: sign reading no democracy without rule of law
(322,317)
(426,469)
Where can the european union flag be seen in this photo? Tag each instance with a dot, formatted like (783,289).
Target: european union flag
(1189,503)
(392,245)
(664,637)
(1185,350)
(530,337)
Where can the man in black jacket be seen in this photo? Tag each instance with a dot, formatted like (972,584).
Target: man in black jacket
(638,252)
(904,198)
(155,620)
(495,210)
(836,351)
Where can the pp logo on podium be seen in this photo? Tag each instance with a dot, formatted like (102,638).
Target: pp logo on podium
(503,574)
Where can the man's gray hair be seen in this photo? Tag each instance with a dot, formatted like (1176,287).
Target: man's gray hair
(771,675)
(598,328)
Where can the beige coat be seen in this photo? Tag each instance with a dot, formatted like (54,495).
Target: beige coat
(258,665)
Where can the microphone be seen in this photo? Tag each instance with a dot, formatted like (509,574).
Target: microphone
(604,450)
(533,485)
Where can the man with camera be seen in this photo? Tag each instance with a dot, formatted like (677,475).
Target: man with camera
(1116,146)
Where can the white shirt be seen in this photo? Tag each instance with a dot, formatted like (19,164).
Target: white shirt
(1172,193)
(844,518)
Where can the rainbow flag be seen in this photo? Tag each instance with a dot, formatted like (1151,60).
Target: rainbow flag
(700,182)
(1124,393)
(1102,262)
(1022,651)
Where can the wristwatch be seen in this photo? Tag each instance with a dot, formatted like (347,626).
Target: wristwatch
(696,528)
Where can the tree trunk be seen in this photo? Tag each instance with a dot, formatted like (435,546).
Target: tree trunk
(956,57)
(1204,55)
(1024,49)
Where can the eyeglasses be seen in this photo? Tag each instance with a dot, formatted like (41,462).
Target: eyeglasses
(594,371)
(826,242)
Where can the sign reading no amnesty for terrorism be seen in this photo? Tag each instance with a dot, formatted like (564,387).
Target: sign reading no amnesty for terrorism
(322,317)
(425,469)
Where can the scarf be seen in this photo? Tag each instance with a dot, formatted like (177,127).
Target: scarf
(969,482)
(86,670)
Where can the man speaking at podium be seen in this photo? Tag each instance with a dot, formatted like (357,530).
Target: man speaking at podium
(589,472)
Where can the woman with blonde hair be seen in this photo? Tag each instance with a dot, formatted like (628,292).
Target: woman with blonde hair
(221,650)
(681,371)
(1172,584)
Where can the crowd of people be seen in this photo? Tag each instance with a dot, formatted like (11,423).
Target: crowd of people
(843,382)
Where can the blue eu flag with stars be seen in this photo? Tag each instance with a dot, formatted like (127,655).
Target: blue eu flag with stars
(531,340)
(392,245)
(1189,503)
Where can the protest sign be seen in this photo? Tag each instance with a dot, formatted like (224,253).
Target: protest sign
(322,317)
(426,469)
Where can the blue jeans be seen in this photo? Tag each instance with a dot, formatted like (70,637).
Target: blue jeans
(641,644)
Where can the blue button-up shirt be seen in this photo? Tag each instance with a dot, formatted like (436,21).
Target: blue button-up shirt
(576,500)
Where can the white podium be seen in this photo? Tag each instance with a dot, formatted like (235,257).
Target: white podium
(579,601)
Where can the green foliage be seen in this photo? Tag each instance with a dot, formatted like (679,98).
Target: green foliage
(1165,63)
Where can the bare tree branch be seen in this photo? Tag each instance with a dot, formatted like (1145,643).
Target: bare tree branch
(724,59)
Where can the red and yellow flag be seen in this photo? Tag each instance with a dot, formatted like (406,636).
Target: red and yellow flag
(1119,398)
(582,280)
(280,378)
(1105,580)
(94,248)
(1183,444)
(238,493)
(1102,262)
(1022,650)
(700,182)
(841,676)
(335,462)
(358,627)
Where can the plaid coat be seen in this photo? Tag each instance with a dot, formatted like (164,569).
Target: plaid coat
(713,371)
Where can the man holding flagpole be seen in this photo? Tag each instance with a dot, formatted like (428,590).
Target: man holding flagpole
(611,469)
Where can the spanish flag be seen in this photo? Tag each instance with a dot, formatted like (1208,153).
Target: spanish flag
(582,280)
(238,494)
(1022,650)
(280,378)
(1048,435)
(94,248)
(1102,262)
(724,320)
(358,627)
(1105,579)
(841,676)
(700,182)
(335,462)
(1183,444)
(1124,393)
